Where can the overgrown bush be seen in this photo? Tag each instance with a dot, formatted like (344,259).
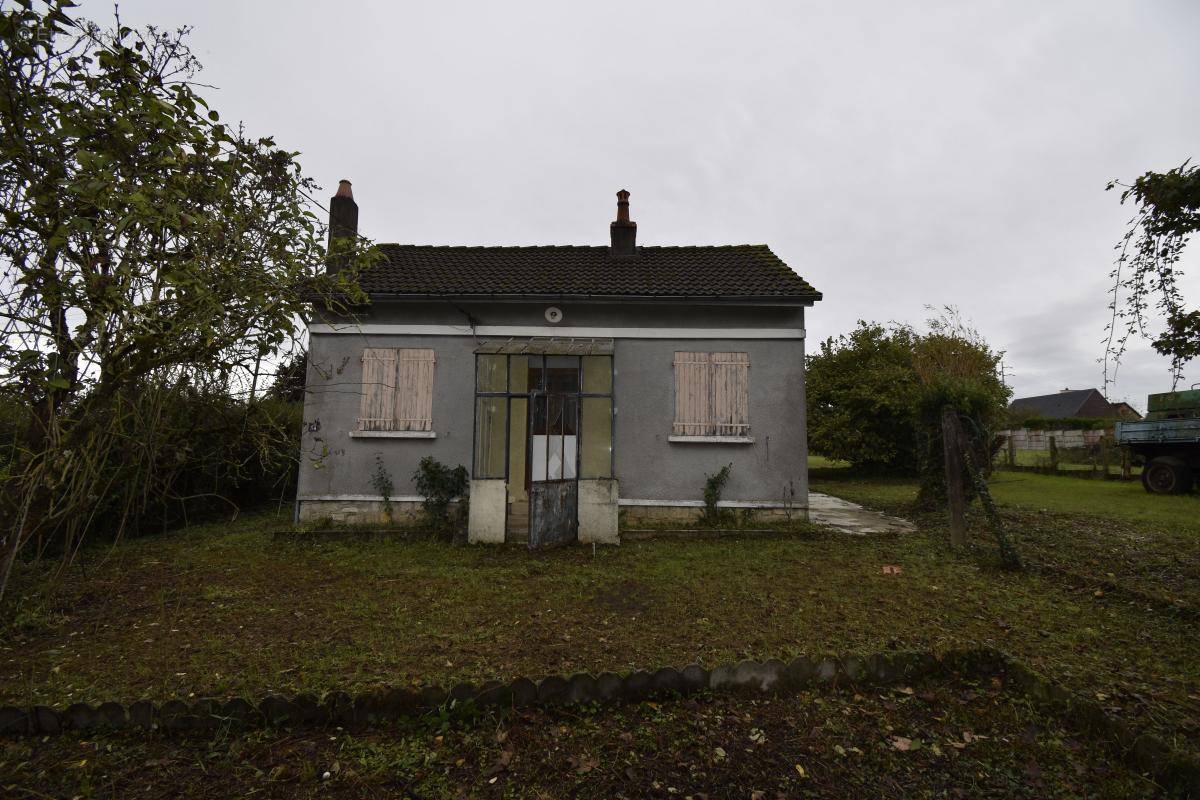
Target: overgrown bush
(876,395)
(164,456)
(957,370)
(861,398)
(381,482)
(714,484)
(440,486)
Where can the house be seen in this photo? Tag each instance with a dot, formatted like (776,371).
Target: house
(575,382)
(1123,410)
(1068,403)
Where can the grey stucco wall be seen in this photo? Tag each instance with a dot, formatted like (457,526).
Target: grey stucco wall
(647,465)
(332,463)
(650,467)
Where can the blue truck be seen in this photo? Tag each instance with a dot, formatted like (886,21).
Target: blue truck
(1166,442)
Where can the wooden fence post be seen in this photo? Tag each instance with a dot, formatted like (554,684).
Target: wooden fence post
(1126,464)
(955,492)
(1012,450)
(1106,446)
(1053,455)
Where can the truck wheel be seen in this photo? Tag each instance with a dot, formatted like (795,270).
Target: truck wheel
(1166,475)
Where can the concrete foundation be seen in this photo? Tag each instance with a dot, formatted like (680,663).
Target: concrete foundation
(632,516)
(598,512)
(488,505)
(361,512)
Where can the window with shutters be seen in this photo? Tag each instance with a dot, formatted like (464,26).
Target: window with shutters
(712,397)
(397,392)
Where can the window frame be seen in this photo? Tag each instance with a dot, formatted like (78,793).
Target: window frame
(397,353)
(530,391)
(710,424)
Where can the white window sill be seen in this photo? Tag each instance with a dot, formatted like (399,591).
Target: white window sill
(713,439)
(393,434)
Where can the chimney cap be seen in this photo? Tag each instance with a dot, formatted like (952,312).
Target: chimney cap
(344,189)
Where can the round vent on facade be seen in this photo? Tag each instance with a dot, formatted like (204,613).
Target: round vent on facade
(554,314)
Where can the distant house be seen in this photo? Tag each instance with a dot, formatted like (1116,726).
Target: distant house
(1126,411)
(575,381)
(1080,403)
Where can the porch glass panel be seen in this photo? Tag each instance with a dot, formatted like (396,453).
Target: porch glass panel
(491,373)
(518,374)
(595,457)
(491,432)
(597,374)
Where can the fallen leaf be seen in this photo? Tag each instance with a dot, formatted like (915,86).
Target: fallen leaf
(892,569)
(902,743)
(800,771)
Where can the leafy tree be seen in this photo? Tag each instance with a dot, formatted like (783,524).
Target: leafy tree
(861,389)
(145,244)
(956,369)
(876,395)
(1147,273)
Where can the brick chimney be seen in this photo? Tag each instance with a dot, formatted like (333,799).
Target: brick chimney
(623,231)
(343,220)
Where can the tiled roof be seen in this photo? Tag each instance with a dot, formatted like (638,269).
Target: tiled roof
(734,271)
(1060,405)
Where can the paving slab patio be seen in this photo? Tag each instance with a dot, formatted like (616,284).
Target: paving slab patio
(834,512)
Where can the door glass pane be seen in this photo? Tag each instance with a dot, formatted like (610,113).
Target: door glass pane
(518,374)
(595,460)
(536,373)
(492,373)
(597,374)
(562,373)
(554,440)
(490,436)
(518,441)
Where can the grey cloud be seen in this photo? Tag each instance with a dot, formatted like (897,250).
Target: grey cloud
(896,154)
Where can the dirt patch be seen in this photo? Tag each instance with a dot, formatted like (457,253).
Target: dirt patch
(626,597)
(936,739)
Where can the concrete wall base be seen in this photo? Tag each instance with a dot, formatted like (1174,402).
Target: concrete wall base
(598,512)
(489,501)
(360,512)
(632,516)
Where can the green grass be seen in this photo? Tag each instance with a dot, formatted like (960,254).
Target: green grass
(228,609)
(1125,500)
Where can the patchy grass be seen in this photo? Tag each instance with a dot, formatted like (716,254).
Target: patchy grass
(1107,532)
(931,740)
(228,609)
(1119,500)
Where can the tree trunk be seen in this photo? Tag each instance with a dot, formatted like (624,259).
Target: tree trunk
(955,492)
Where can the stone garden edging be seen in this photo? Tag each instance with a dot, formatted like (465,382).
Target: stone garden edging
(1148,753)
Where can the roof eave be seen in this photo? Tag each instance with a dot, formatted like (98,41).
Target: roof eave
(780,300)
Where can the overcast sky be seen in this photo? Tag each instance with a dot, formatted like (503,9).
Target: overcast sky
(897,155)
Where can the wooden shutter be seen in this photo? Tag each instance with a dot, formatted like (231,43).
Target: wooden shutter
(414,389)
(693,397)
(730,394)
(378,389)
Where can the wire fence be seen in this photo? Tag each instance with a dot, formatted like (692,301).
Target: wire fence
(1091,453)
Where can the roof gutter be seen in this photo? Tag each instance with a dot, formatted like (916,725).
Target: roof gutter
(750,300)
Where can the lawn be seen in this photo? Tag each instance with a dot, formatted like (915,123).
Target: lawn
(1110,532)
(1107,609)
(231,609)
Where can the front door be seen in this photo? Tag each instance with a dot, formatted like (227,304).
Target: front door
(553,465)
